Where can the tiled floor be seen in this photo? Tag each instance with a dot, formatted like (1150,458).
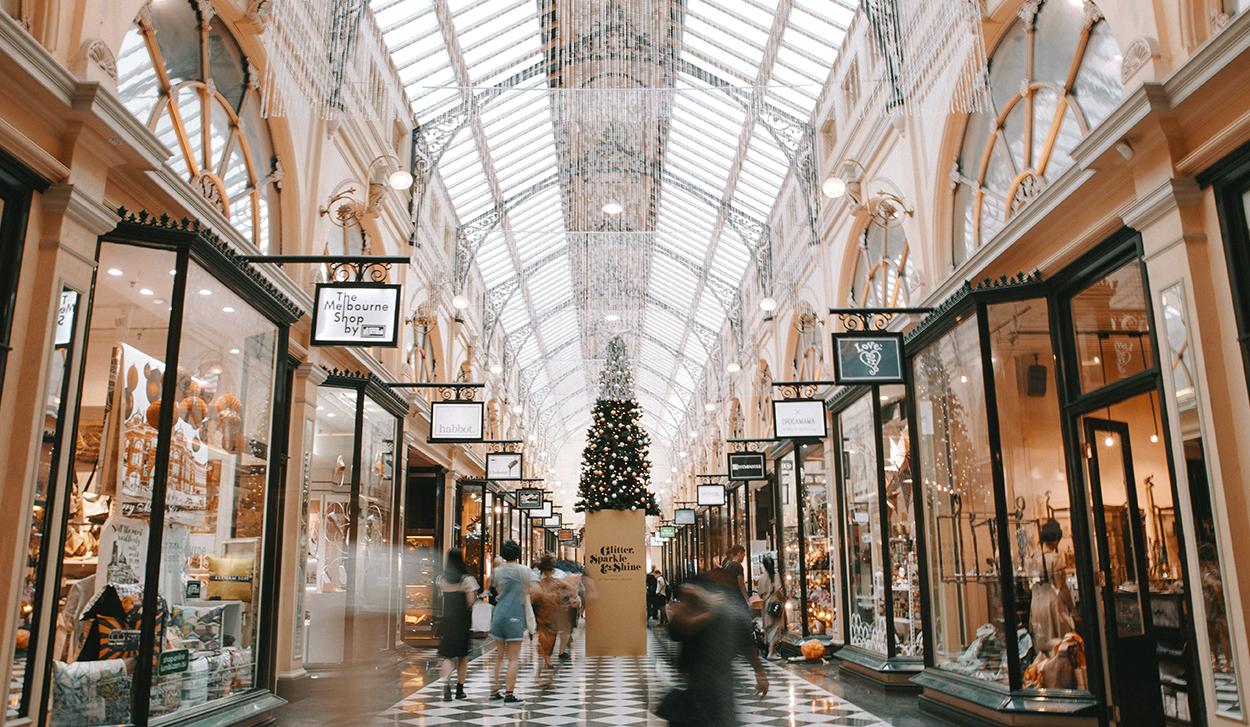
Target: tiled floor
(609,691)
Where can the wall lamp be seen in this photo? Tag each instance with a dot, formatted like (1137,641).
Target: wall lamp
(885,209)
(348,211)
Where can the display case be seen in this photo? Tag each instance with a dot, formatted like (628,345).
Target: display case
(157,577)
(882,598)
(352,583)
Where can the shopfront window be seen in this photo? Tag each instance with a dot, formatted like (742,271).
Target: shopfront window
(965,598)
(51,461)
(472,510)
(1039,518)
(787,482)
(216,493)
(864,567)
(329,514)
(900,514)
(1213,605)
(1112,328)
(376,568)
(818,543)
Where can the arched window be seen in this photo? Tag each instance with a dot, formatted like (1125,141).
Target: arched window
(883,272)
(1054,77)
(182,74)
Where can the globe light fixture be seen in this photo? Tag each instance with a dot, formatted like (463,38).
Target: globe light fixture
(496,368)
(768,303)
(460,301)
(613,208)
(733,367)
(710,406)
(517,408)
(399,179)
(834,187)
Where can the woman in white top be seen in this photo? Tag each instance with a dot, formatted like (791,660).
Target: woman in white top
(773,596)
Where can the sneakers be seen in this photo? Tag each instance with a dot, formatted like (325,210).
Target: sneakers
(460,692)
(497,695)
(511,699)
(565,656)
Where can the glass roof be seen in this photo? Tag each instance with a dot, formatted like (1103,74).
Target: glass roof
(536,115)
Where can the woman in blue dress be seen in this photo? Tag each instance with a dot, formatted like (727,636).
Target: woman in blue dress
(508,622)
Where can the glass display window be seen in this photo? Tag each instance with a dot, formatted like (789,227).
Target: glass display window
(164,540)
(883,573)
(352,589)
(818,542)
(965,590)
(790,561)
(1112,328)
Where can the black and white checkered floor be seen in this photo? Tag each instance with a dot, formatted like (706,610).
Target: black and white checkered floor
(614,691)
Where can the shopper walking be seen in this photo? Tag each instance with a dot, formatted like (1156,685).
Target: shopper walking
(772,594)
(552,599)
(714,628)
(651,594)
(661,597)
(507,624)
(459,591)
(733,566)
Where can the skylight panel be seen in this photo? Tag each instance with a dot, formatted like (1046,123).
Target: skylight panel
(726,25)
(719,49)
(837,14)
(819,54)
(709,312)
(415,49)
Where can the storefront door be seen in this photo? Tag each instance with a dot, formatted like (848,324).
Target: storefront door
(1119,547)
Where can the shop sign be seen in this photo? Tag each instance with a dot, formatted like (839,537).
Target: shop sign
(65,318)
(456,421)
(684,516)
(541,513)
(504,465)
(193,590)
(566,536)
(529,498)
(656,542)
(711,495)
(356,314)
(555,521)
(174,661)
(875,358)
(668,531)
(747,466)
(800,419)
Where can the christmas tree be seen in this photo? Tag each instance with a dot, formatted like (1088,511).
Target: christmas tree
(616,470)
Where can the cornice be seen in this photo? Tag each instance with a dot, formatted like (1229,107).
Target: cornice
(80,207)
(31,154)
(1173,193)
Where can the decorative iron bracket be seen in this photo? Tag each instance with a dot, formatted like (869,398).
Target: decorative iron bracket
(750,445)
(343,268)
(801,389)
(872,319)
(449,391)
(501,445)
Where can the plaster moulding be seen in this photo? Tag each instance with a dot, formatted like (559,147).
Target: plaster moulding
(96,61)
(1137,55)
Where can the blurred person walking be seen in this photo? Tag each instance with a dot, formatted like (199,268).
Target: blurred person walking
(459,591)
(772,594)
(713,626)
(508,622)
(733,566)
(661,597)
(553,597)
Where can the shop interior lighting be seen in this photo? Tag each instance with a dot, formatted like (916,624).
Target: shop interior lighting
(114,271)
(227,309)
(234,351)
(206,292)
(710,406)
(145,291)
(517,408)
(611,318)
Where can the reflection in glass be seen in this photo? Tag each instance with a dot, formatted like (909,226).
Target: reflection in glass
(1039,515)
(863,527)
(1215,608)
(789,560)
(965,598)
(900,514)
(817,501)
(1112,328)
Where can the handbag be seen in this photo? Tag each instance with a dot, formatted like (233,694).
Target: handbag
(678,707)
(774,609)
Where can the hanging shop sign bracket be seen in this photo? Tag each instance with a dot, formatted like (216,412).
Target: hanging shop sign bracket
(357,307)
(872,319)
(749,445)
(459,418)
(800,389)
(865,352)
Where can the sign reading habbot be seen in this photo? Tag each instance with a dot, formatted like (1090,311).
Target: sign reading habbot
(356,314)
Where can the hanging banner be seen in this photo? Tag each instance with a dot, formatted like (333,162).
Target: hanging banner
(684,516)
(861,358)
(747,466)
(800,419)
(456,421)
(710,494)
(504,465)
(529,498)
(356,314)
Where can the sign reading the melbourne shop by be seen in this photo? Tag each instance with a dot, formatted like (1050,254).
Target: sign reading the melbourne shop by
(800,419)
(356,314)
(456,421)
(747,466)
(868,359)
